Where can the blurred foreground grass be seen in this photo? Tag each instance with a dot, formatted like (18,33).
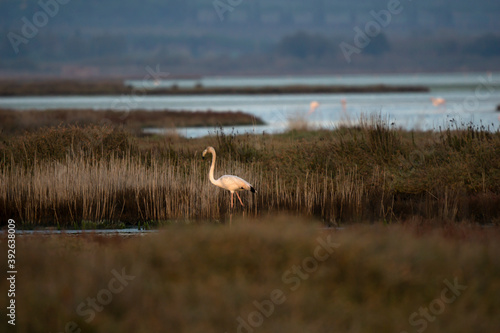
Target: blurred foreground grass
(275,274)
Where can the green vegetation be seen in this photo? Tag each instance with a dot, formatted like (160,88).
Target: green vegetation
(367,172)
(204,278)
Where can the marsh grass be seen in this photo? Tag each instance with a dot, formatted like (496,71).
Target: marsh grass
(368,172)
(202,278)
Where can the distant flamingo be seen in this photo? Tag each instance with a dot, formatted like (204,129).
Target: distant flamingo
(437,101)
(229,182)
(343,102)
(312,107)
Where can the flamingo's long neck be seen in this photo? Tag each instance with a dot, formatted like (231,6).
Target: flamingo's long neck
(212,168)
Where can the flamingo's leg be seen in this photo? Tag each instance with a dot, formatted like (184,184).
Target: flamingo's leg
(240,199)
(231,199)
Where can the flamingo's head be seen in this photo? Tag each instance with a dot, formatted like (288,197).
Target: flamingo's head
(209,149)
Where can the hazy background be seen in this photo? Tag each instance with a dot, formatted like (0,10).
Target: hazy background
(119,38)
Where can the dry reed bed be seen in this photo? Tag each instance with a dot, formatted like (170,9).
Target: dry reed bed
(123,189)
(201,279)
(118,189)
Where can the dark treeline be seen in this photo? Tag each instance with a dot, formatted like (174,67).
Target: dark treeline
(120,37)
(429,15)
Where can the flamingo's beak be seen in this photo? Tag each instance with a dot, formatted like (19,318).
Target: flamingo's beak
(204,153)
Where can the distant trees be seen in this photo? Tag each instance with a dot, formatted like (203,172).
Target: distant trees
(303,45)
(107,45)
(486,46)
(447,46)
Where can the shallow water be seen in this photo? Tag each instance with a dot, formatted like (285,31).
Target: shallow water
(108,232)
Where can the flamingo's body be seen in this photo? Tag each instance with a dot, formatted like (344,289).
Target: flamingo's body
(312,107)
(437,101)
(228,182)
